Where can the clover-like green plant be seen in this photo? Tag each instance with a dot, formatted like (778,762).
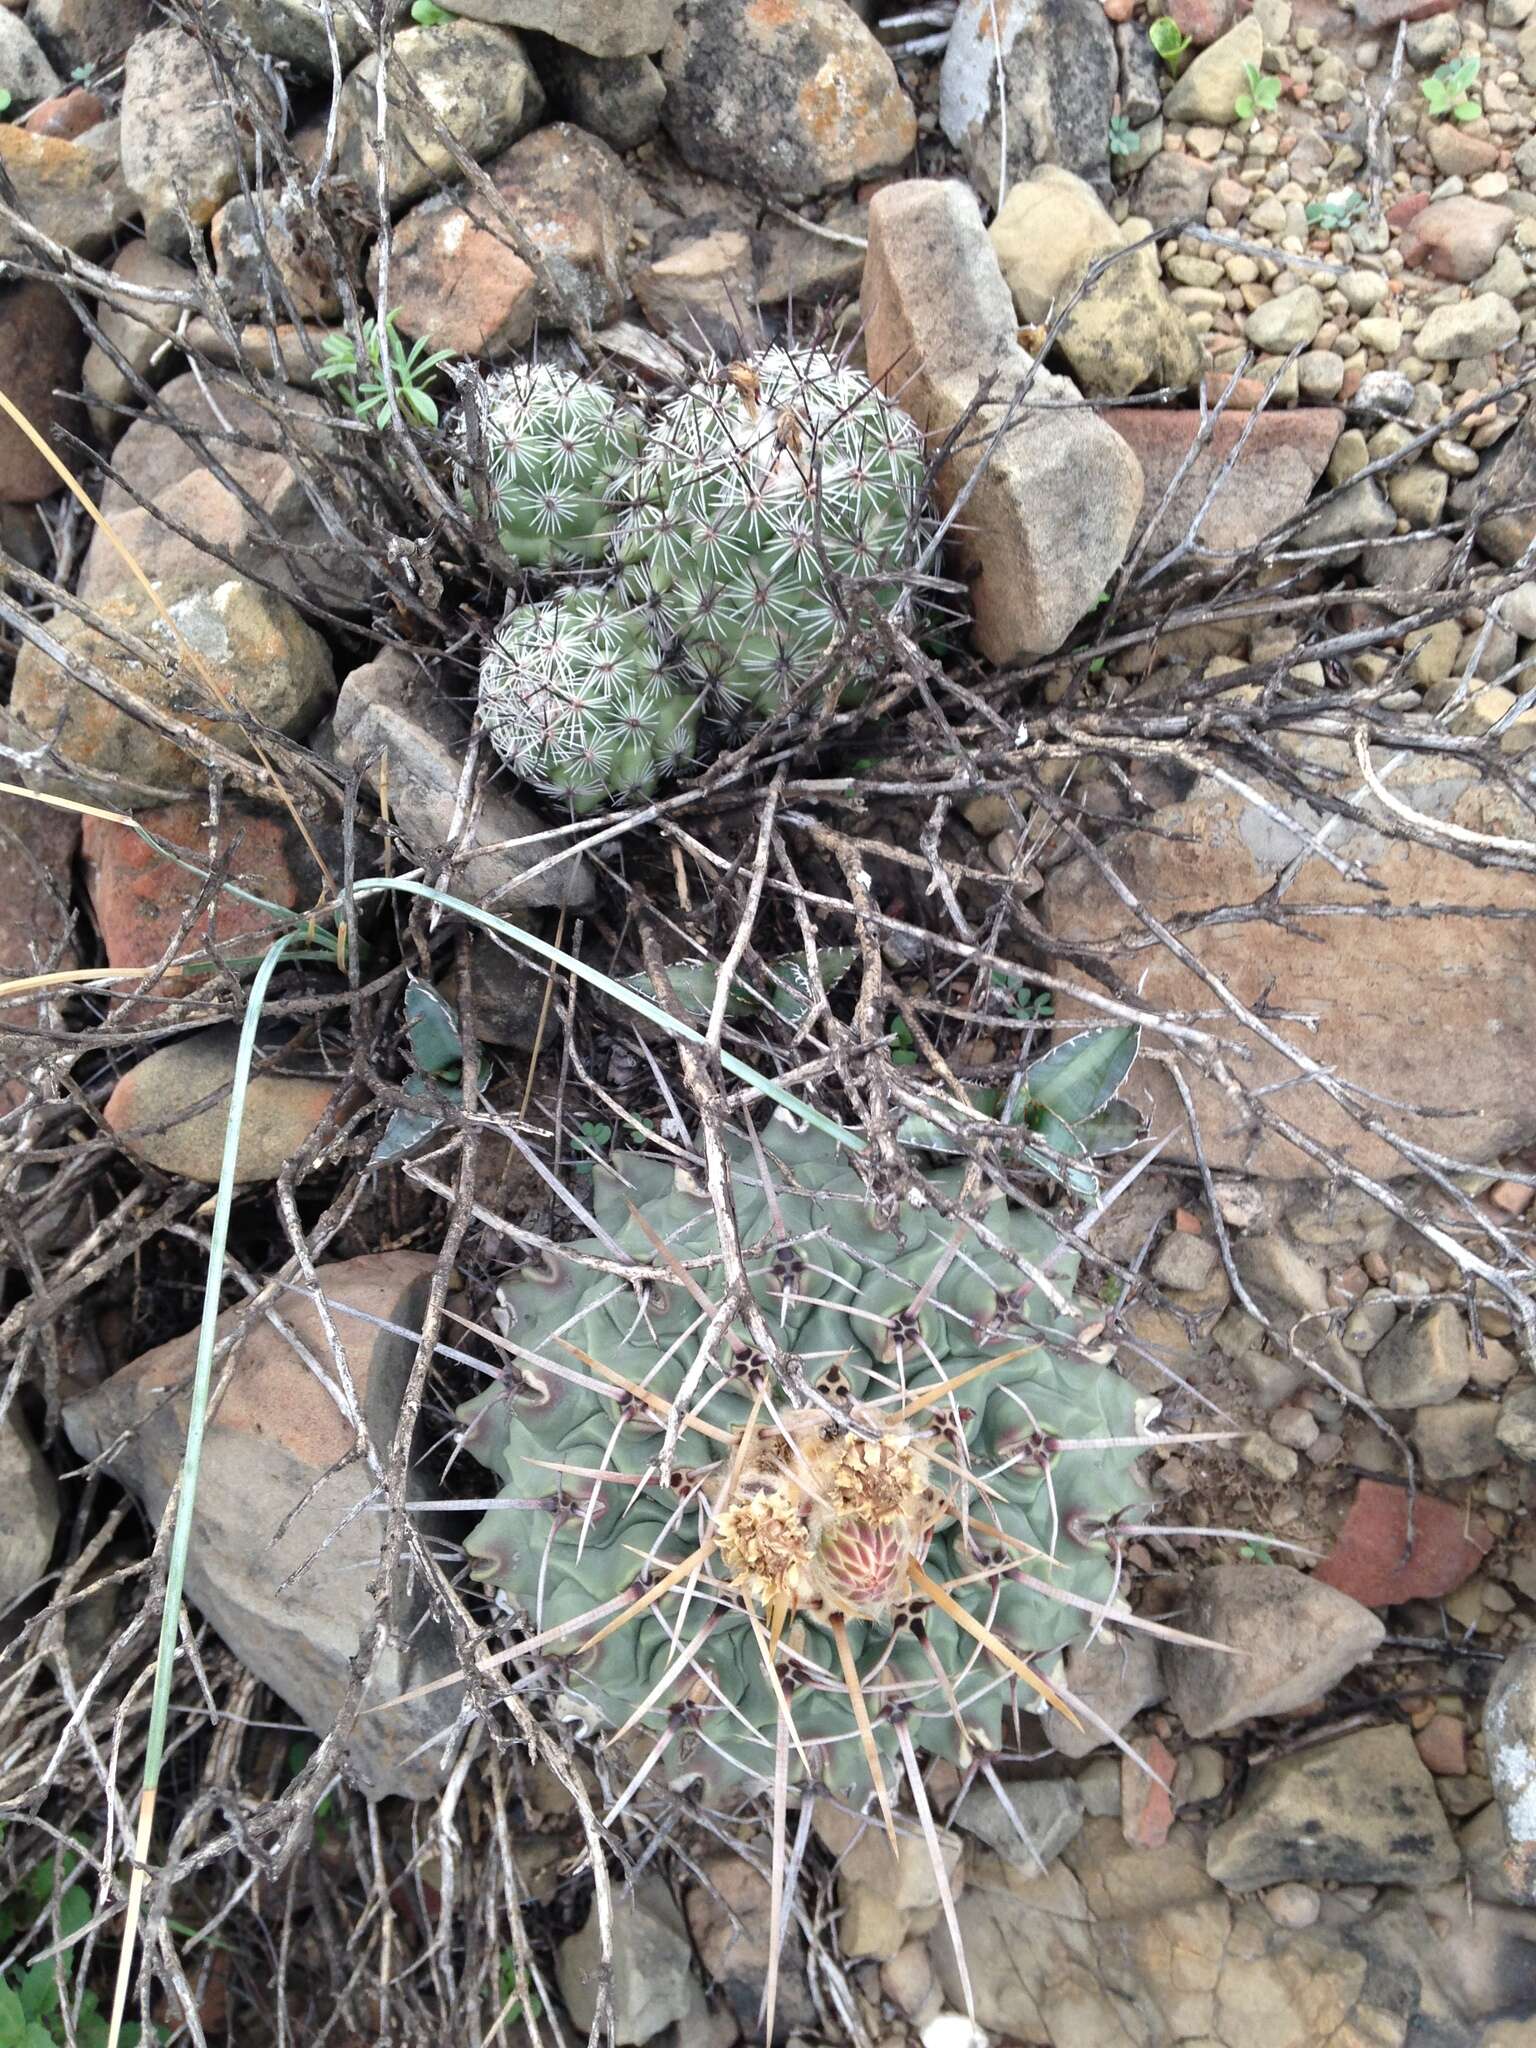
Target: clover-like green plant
(1122,136)
(855,1520)
(31,2001)
(1334,210)
(1170,42)
(1260,94)
(1448,89)
(363,385)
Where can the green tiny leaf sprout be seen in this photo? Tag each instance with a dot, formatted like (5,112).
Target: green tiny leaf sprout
(1447,90)
(5,99)
(1122,136)
(1336,210)
(427,14)
(1261,97)
(1169,41)
(367,394)
(31,2000)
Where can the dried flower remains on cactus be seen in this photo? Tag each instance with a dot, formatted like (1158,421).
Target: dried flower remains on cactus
(880,1548)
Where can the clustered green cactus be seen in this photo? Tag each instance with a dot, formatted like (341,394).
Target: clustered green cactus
(899,1542)
(740,528)
(557,448)
(578,702)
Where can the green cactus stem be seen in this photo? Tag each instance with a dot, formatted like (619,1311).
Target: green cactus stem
(902,1543)
(577,701)
(559,453)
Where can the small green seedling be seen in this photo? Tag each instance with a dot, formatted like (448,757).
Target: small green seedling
(1448,89)
(903,1044)
(31,2005)
(5,100)
(84,73)
(1169,41)
(1034,1005)
(1335,211)
(365,391)
(1122,136)
(1261,96)
(427,14)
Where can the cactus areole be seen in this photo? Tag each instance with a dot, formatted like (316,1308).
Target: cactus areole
(879,1548)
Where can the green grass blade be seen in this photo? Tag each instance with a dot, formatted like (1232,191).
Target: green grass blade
(631,998)
(197,1418)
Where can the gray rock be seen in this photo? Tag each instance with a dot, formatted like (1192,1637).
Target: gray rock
(1141,90)
(283,1548)
(296,30)
(600,28)
(268,244)
(387,711)
(1516,1428)
(1369,1321)
(1384,394)
(1359,1810)
(1281,1278)
(1458,1439)
(136,328)
(180,153)
(653,1981)
(1055,502)
(29,1511)
(1114,1676)
(1207,91)
(1285,322)
(1059,75)
(1174,187)
(1425,1360)
(799,100)
(24,69)
(477,83)
(1469,327)
(1030,1826)
(1509,1737)
(618,99)
(1347,518)
(1294,1639)
(76,32)
(1185,1262)
(575,202)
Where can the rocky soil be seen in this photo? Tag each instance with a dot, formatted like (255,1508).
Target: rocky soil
(1221,324)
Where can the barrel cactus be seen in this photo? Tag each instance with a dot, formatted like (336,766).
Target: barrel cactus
(559,452)
(758,488)
(578,702)
(891,1550)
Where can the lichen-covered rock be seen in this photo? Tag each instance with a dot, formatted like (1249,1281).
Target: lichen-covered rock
(1359,1810)
(477,85)
(182,150)
(600,28)
(285,1554)
(798,99)
(1058,77)
(267,660)
(71,189)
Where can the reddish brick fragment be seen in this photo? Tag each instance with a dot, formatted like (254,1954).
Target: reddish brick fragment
(1373,1561)
(1146,1808)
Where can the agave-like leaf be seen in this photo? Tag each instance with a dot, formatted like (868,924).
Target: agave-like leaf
(1078,1077)
(432,1026)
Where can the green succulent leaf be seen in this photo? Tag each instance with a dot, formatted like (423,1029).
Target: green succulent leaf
(1078,1077)
(432,1026)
